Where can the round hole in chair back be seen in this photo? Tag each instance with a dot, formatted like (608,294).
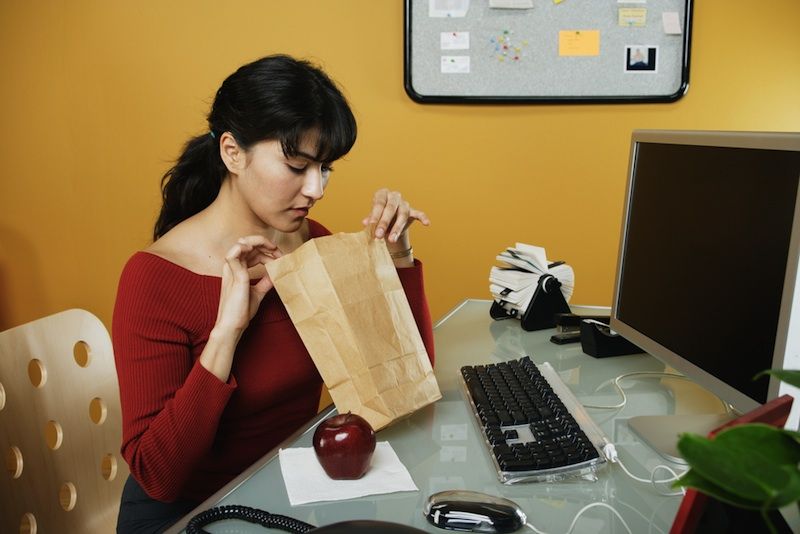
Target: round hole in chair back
(82,353)
(27,524)
(37,373)
(97,410)
(67,496)
(108,467)
(14,462)
(53,434)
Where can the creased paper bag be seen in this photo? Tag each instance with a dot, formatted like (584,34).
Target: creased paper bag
(344,296)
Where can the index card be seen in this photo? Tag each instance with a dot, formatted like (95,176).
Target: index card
(511,4)
(672,22)
(455,64)
(454,40)
(448,8)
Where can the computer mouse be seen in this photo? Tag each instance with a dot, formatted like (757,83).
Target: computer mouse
(472,511)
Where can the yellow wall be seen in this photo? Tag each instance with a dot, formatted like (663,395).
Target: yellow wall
(97,97)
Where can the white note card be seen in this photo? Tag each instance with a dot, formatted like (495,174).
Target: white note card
(672,22)
(448,8)
(455,64)
(511,4)
(454,40)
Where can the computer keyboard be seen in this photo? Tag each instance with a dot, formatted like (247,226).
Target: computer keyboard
(533,426)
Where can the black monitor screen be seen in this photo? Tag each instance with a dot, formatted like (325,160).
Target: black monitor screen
(705,254)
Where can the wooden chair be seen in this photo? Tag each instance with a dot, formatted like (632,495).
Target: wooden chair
(60,427)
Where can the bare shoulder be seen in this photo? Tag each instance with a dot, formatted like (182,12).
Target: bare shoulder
(185,246)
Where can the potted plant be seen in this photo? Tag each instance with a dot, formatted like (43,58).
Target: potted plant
(752,466)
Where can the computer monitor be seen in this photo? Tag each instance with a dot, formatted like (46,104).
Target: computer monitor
(707,272)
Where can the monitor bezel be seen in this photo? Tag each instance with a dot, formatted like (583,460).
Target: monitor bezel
(786,354)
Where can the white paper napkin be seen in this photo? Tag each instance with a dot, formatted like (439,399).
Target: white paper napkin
(307,482)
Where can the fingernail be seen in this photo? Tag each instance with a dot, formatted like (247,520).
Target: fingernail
(379,232)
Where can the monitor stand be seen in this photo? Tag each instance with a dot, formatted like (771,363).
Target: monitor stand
(661,432)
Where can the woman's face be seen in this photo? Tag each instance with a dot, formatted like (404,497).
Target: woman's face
(280,190)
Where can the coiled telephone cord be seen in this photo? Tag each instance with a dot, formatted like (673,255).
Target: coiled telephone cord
(245,513)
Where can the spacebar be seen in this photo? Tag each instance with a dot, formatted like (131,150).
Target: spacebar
(518,465)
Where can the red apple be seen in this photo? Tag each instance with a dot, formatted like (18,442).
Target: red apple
(344,445)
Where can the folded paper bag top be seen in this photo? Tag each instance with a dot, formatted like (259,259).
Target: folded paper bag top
(345,298)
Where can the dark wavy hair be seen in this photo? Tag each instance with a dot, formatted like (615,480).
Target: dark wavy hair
(274,98)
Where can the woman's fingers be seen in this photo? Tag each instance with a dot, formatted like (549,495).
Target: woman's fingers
(392,215)
(399,222)
(239,297)
(236,263)
(255,250)
(261,244)
(420,216)
(261,287)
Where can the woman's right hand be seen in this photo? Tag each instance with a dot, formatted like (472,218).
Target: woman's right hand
(239,299)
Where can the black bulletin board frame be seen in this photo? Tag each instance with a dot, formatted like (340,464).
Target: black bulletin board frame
(464,93)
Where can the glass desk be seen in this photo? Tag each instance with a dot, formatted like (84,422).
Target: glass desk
(440,444)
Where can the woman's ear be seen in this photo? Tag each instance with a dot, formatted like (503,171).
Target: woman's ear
(233,156)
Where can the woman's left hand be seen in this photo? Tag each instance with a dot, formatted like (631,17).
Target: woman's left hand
(392,215)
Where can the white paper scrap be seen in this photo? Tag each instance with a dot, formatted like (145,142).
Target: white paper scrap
(672,22)
(511,4)
(455,64)
(454,40)
(448,8)
(307,482)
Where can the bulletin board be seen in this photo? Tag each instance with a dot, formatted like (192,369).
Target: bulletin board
(541,51)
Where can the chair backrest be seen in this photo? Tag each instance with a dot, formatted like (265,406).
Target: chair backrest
(60,427)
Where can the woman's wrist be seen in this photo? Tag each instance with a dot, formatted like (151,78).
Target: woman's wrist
(224,336)
(217,356)
(401,251)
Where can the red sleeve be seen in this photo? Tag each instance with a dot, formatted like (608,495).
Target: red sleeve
(171,405)
(413,284)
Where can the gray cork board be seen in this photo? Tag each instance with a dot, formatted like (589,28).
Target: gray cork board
(553,51)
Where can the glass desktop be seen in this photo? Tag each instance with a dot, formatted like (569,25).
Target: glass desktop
(440,446)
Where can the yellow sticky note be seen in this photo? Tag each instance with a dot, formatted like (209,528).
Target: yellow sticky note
(579,43)
(633,16)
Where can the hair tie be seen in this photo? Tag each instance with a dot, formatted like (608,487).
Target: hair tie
(212,135)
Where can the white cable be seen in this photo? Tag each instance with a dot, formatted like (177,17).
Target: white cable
(611,453)
(651,374)
(580,512)
(616,381)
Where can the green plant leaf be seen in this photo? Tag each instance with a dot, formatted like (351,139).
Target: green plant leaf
(790,493)
(691,479)
(789,376)
(756,462)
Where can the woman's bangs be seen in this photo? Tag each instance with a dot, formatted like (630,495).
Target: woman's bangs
(335,141)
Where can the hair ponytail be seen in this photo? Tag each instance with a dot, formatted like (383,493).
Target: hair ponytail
(273,98)
(192,184)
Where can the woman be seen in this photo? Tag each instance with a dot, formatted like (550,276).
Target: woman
(212,372)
